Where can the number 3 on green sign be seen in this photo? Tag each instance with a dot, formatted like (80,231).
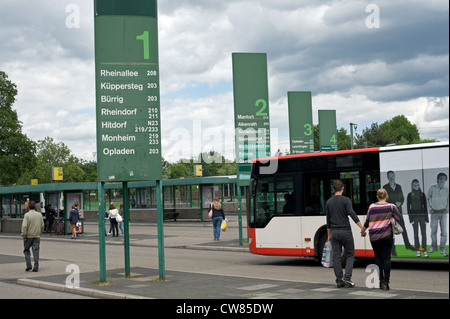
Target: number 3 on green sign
(261,111)
(308,130)
(146,44)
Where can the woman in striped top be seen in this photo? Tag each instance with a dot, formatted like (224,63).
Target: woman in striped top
(378,222)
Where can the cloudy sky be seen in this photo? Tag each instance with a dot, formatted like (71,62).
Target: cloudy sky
(367,69)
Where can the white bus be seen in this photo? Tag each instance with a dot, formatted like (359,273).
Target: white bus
(286,209)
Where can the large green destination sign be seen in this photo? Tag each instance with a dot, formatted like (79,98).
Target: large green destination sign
(301,130)
(327,131)
(127,90)
(251,110)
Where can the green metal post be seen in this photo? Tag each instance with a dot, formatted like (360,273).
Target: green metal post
(126,227)
(160,217)
(241,242)
(101,229)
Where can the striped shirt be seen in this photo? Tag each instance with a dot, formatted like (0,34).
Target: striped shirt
(378,220)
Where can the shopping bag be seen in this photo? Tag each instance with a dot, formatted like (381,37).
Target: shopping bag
(224,225)
(327,255)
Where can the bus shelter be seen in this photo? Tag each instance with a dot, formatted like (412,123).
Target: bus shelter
(183,199)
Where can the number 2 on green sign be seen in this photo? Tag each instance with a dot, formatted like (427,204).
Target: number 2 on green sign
(261,111)
(146,44)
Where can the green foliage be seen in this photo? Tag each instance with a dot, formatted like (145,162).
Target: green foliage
(16,150)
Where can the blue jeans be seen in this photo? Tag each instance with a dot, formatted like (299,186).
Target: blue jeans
(217,221)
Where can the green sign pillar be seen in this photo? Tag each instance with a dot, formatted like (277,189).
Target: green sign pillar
(301,129)
(127,96)
(327,130)
(251,115)
(101,230)
(126,227)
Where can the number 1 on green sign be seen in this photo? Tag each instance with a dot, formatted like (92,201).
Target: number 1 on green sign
(146,44)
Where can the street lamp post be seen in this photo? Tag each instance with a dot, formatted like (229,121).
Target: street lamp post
(351,133)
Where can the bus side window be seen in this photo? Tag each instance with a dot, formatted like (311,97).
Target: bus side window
(313,196)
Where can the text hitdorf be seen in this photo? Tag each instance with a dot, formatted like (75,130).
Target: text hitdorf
(116,125)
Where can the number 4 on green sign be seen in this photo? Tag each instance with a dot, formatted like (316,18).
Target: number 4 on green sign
(333,139)
(146,44)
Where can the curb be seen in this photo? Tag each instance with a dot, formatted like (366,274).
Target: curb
(218,248)
(94,293)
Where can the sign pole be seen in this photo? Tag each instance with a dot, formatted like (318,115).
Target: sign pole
(101,229)
(241,242)
(160,217)
(126,228)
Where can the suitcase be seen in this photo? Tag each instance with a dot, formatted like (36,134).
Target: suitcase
(60,227)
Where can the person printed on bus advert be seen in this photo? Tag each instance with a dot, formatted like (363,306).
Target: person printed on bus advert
(378,222)
(416,205)
(395,196)
(217,218)
(338,208)
(438,206)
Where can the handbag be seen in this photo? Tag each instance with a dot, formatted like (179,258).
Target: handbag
(210,213)
(119,218)
(396,228)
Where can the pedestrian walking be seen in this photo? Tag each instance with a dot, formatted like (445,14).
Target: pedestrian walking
(378,222)
(112,213)
(217,217)
(338,208)
(121,218)
(32,228)
(74,217)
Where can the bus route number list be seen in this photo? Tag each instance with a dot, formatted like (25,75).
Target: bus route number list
(129,120)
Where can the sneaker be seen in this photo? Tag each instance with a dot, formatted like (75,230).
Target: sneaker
(349,284)
(340,284)
(418,253)
(425,254)
(444,253)
(431,249)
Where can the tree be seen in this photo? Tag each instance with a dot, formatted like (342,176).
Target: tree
(16,150)
(401,131)
(49,155)
(373,137)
